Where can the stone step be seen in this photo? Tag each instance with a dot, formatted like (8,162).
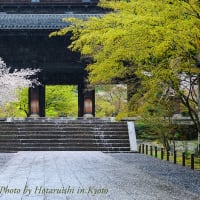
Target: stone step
(64,140)
(84,123)
(10,147)
(62,130)
(62,126)
(70,136)
(67,133)
(64,144)
(62,122)
(105,149)
(63,134)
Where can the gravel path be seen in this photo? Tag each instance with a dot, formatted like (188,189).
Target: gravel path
(94,176)
(174,175)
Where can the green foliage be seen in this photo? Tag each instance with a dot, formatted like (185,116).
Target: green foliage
(142,131)
(160,128)
(157,41)
(11,110)
(61,101)
(22,104)
(122,114)
(157,37)
(148,35)
(17,109)
(110,100)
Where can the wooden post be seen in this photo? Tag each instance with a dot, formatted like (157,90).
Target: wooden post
(156,151)
(168,153)
(151,150)
(183,158)
(142,148)
(192,161)
(162,153)
(174,157)
(146,149)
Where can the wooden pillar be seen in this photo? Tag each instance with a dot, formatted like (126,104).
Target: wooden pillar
(37,101)
(86,100)
(89,101)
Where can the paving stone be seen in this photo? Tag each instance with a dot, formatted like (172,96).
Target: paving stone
(95,176)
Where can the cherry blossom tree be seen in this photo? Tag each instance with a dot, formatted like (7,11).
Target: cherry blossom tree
(11,82)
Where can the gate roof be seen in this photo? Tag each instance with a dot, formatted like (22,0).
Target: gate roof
(37,21)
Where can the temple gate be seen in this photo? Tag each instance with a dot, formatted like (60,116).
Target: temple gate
(24,42)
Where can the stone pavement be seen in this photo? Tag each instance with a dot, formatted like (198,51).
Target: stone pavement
(94,175)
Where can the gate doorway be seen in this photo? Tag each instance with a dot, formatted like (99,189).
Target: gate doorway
(61,101)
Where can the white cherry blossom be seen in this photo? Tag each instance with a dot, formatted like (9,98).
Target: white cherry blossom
(11,82)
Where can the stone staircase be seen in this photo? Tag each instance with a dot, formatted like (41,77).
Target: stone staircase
(72,135)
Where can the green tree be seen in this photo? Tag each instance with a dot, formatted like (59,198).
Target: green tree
(61,101)
(110,100)
(156,41)
(18,108)
(138,35)
(22,103)
(158,117)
